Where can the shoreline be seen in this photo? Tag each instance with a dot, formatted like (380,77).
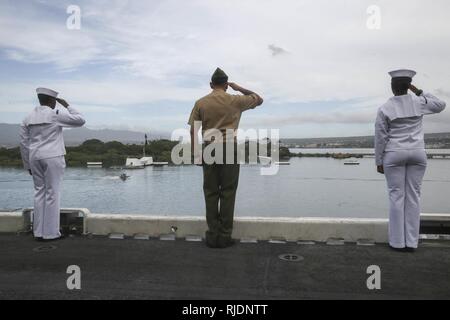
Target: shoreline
(337,156)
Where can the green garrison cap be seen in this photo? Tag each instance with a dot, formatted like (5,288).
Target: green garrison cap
(219,77)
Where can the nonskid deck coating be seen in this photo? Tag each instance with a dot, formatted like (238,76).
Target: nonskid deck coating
(153,269)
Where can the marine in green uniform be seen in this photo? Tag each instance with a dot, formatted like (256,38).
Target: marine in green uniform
(221,111)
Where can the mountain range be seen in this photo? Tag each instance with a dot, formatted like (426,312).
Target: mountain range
(9,135)
(433,140)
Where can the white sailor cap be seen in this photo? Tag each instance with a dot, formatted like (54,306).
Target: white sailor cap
(47,92)
(402,73)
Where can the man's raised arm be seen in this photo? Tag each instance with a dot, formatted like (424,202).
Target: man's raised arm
(246,92)
(70,119)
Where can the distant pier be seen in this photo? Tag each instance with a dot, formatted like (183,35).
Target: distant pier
(346,155)
(430,155)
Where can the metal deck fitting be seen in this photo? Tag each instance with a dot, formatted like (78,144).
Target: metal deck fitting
(335,242)
(141,236)
(116,236)
(167,237)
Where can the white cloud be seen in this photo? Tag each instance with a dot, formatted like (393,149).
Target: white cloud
(157,50)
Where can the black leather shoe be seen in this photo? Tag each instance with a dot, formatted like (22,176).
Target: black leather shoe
(410,250)
(39,239)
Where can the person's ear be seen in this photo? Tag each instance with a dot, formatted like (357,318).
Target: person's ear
(211,85)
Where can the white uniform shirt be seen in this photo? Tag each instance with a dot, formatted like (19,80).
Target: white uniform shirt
(41,133)
(399,123)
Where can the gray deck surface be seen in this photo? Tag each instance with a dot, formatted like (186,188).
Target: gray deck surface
(153,269)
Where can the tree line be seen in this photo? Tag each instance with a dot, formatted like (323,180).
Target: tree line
(112,153)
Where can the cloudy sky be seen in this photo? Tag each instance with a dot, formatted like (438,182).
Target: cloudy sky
(141,65)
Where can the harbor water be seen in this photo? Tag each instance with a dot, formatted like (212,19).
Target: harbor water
(309,187)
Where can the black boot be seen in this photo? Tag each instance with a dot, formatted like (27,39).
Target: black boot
(225,241)
(211,239)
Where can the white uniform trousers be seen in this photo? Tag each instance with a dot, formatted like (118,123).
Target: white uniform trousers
(47,178)
(404,171)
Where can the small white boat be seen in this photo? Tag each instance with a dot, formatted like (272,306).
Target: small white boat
(352,163)
(160,164)
(94,164)
(124,177)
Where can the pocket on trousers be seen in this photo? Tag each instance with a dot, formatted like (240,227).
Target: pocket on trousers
(63,162)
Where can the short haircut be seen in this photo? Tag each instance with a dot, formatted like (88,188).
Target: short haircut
(401,84)
(219,80)
(45,100)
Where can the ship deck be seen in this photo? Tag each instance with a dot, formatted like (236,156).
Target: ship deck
(154,269)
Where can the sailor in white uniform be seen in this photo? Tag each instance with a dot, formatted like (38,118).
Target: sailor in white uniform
(400,155)
(42,149)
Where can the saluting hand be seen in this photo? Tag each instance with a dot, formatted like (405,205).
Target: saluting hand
(413,88)
(380,169)
(234,86)
(62,102)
